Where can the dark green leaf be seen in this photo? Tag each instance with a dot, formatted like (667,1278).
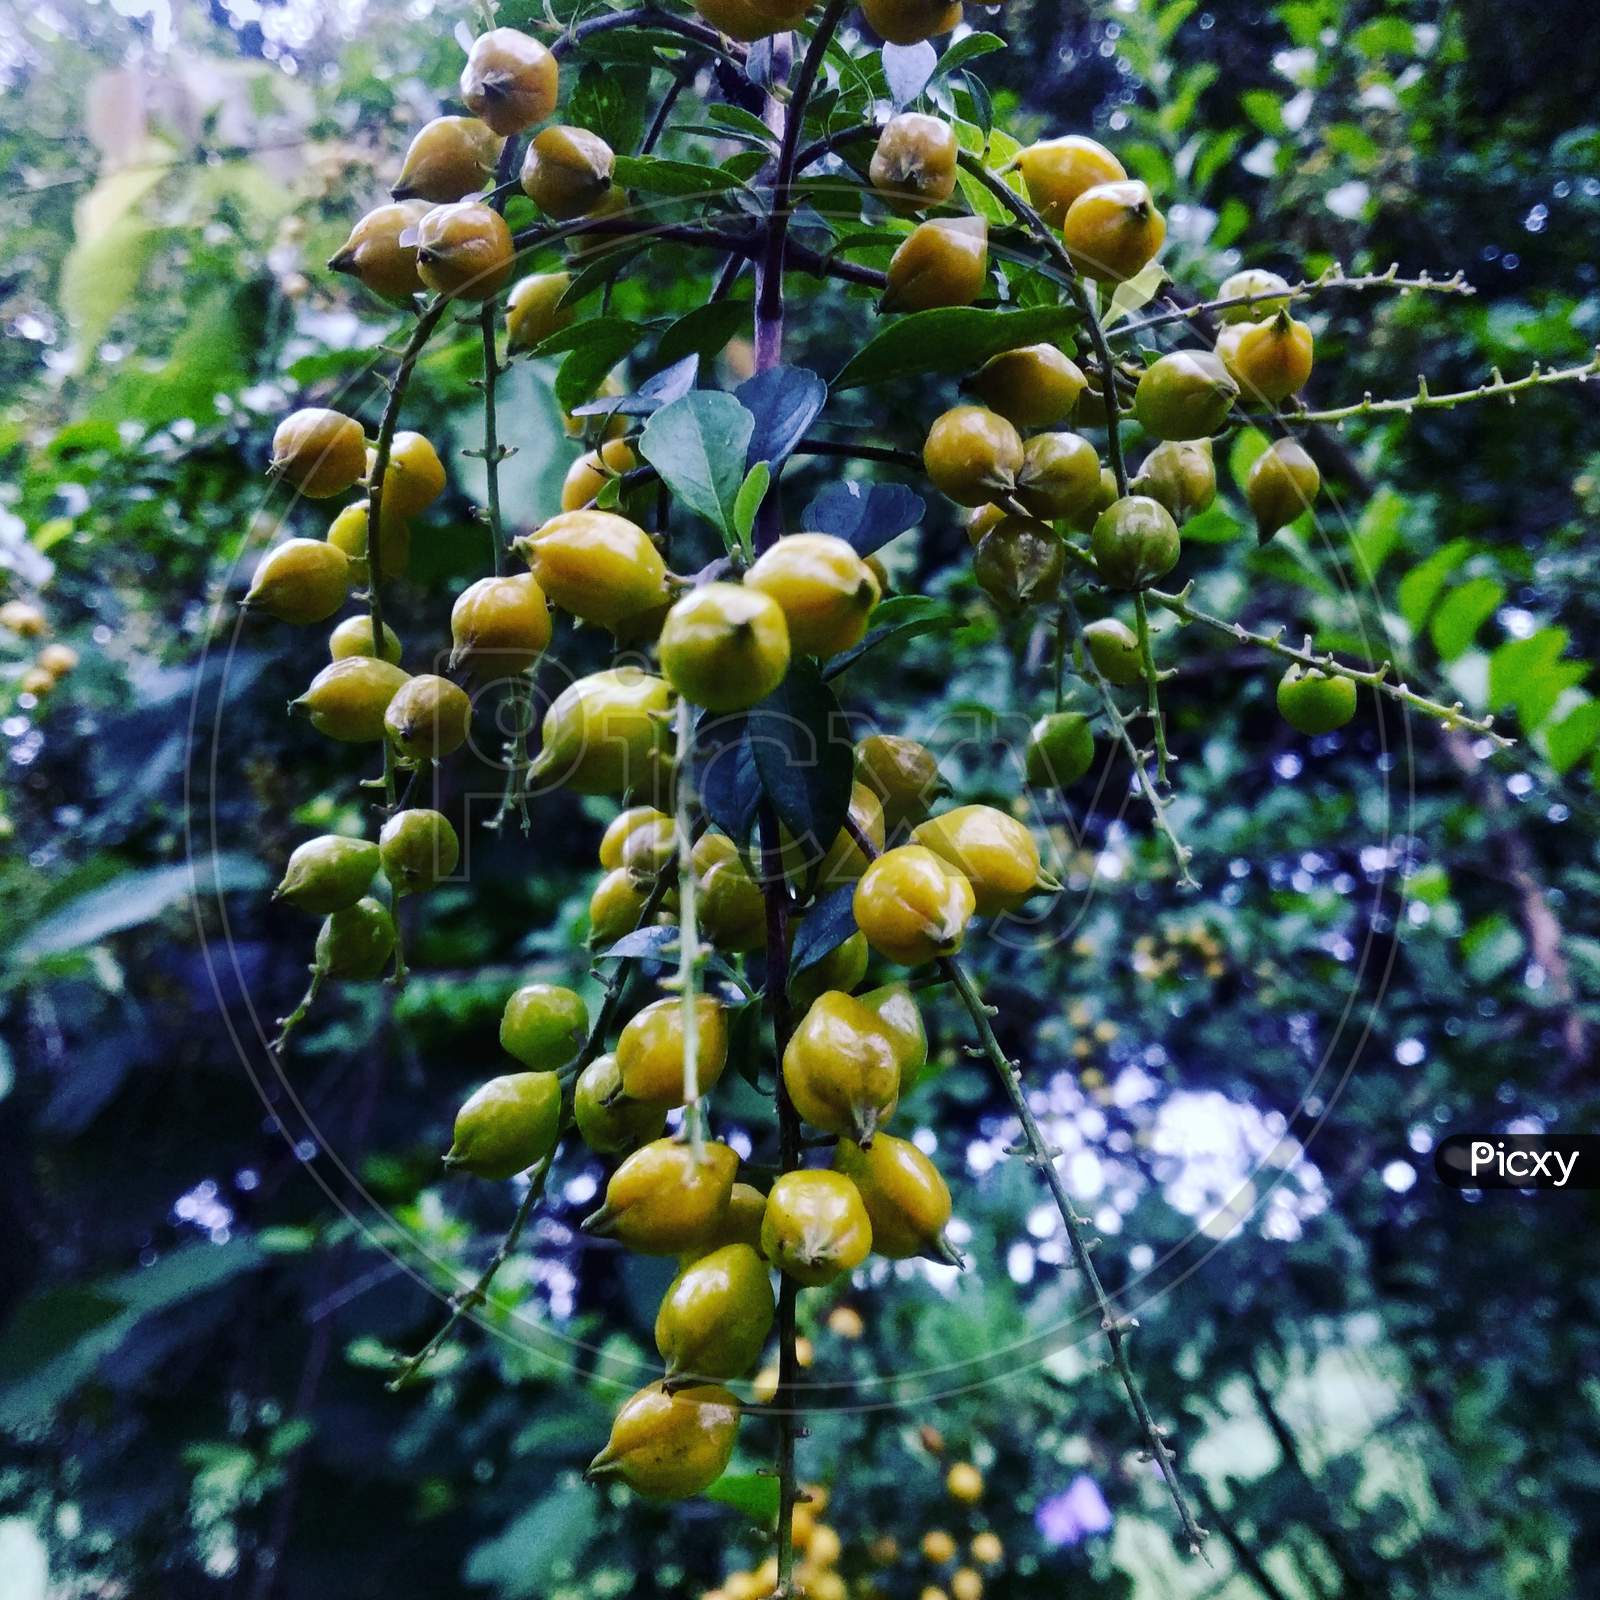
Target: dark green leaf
(952,339)
(703,331)
(784,401)
(804,756)
(966,50)
(697,444)
(653,175)
(725,773)
(866,515)
(826,926)
(610,101)
(901,616)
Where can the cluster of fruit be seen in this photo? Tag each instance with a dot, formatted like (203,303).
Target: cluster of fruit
(53,662)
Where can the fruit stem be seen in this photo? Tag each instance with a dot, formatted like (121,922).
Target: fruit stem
(688,932)
(287,1025)
(1147,659)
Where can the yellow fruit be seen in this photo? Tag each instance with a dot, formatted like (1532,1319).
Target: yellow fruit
(1283,482)
(815,1226)
(428,718)
(964,1482)
(671,1443)
(731,907)
(740,1224)
(1113,231)
(661,1200)
(911,21)
(819,1583)
(896,1008)
(844,860)
(608,1122)
(534,310)
(1181,474)
(986,1549)
(1019,562)
(347,700)
(725,646)
(465,250)
(906,1199)
(350,532)
(59,660)
(567,171)
(1034,387)
(716,1316)
(749,20)
(375,256)
(1269,360)
(328,873)
(320,452)
(614,840)
(841,1067)
(823,1549)
(903,775)
(24,620)
(37,682)
(1107,495)
(510,80)
(996,854)
(973,455)
(606,733)
(912,906)
(651,1050)
(1057,171)
(507,1126)
(354,637)
(414,478)
(1060,475)
(914,164)
(300,581)
(980,520)
(965,1584)
(1263,288)
(544,1026)
(419,849)
(615,424)
(938,1546)
(650,848)
(615,907)
(942,263)
(825,590)
(499,626)
(598,566)
(450,157)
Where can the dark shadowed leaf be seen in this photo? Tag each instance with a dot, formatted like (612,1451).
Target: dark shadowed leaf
(643,944)
(803,752)
(951,339)
(725,773)
(784,401)
(826,926)
(866,515)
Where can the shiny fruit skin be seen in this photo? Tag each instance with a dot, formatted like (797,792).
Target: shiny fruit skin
(907,1200)
(567,171)
(615,906)
(944,262)
(374,255)
(1283,482)
(499,626)
(661,1200)
(964,1482)
(896,1008)
(1135,541)
(1181,474)
(669,1444)
(534,310)
(1314,702)
(980,520)
(608,1123)
(1057,171)
(842,968)
(731,907)
(1019,563)
(725,646)
(912,906)
(716,1315)
(465,250)
(1106,496)
(544,1026)
(1262,286)
(650,848)
(351,532)
(356,943)
(327,874)
(1060,750)
(1033,387)
(428,718)
(598,566)
(973,455)
(651,1048)
(740,1224)
(320,452)
(996,854)
(354,636)
(1113,231)
(419,848)
(903,774)
(606,733)
(911,21)
(1268,360)
(844,860)
(747,21)
(300,581)
(841,1067)
(824,589)
(1114,648)
(1185,395)
(815,1227)
(914,164)
(592,471)
(507,1126)
(414,477)
(613,842)
(347,699)
(1060,475)
(510,80)
(450,157)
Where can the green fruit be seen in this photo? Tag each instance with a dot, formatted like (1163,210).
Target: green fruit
(353,637)
(716,1316)
(1114,648)
(356,943)
(1019,563)
(347,699)
(896,1008)
(428,718)
(1060,750)
(724,646)
(1181,474)
(300,581)
(1283,482)
(608,1122)
(842,968)
(606,733)
(1060,475)
(507,1126)
(1315,702)
(1135,541)
(327,874)
(544,1026)
(419,849)
(1185,395)
(664,1199)
(1034,387)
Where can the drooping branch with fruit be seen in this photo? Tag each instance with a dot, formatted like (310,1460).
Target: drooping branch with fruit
(758,858)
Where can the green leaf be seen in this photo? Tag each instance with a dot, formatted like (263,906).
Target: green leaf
(703,331)
(1377,531)
(738,120)
(804,756)
(1265,110)
(755,1494)
(523,1560)
(1491,946)
(1137,291)
(907,69)
(596,346)
(1574,736)
(610,101)
(965,50)
(1420,587)
(1530,675)
(901,617)
(654,175)
(698,445)
(1464,610)
(751,493)
(950,340)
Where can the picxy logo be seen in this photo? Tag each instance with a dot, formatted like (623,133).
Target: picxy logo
(1519,1161)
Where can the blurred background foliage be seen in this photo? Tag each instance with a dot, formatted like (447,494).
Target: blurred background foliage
(1376,1386)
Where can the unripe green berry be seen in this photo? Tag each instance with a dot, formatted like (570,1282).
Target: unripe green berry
(1060,750)
(356,943)
(1114,648)
(419,849)
(1135,541)
(544,1026)
(507,1126)
(1184,395)
(327,874)
(1314,702)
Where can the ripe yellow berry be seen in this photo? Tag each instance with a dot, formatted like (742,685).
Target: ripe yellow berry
(965,1584)
(652,1049)
(615,907)
(944,262)
(912,906)
(450,157)
(1057,171)
(996,853)
(414,478)
(1060,475)
(845,1322)
(1269,360)
(375,255)
(906,1199)
(510,80)
(593,470)
(321,452)
(911,21)
(613,842)
(1283,481)
(815,1227)
(428,718)
(354,637)
(716,1315)
(608,1122)
(465,250)
(914,164)
(661,1200)
(300,581)
(841,1067)
(903,774)
(725,646)
(749,20)
(897,1010)
(964,1482)
(534,310)
(825,590)
(507,1125)
(499,626)
(973,455)
(1113,231)
(419,849)
(823,1549)
(1034,387)
(347,699)
(567,171)
(544,1026)
(598,566)
(1263,287)
(25,620)
(350,532)
(844,860)
(670,1443)
(606,733)
(987,1549)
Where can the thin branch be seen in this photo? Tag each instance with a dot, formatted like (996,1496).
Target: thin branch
(688,931)
(1152,680)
